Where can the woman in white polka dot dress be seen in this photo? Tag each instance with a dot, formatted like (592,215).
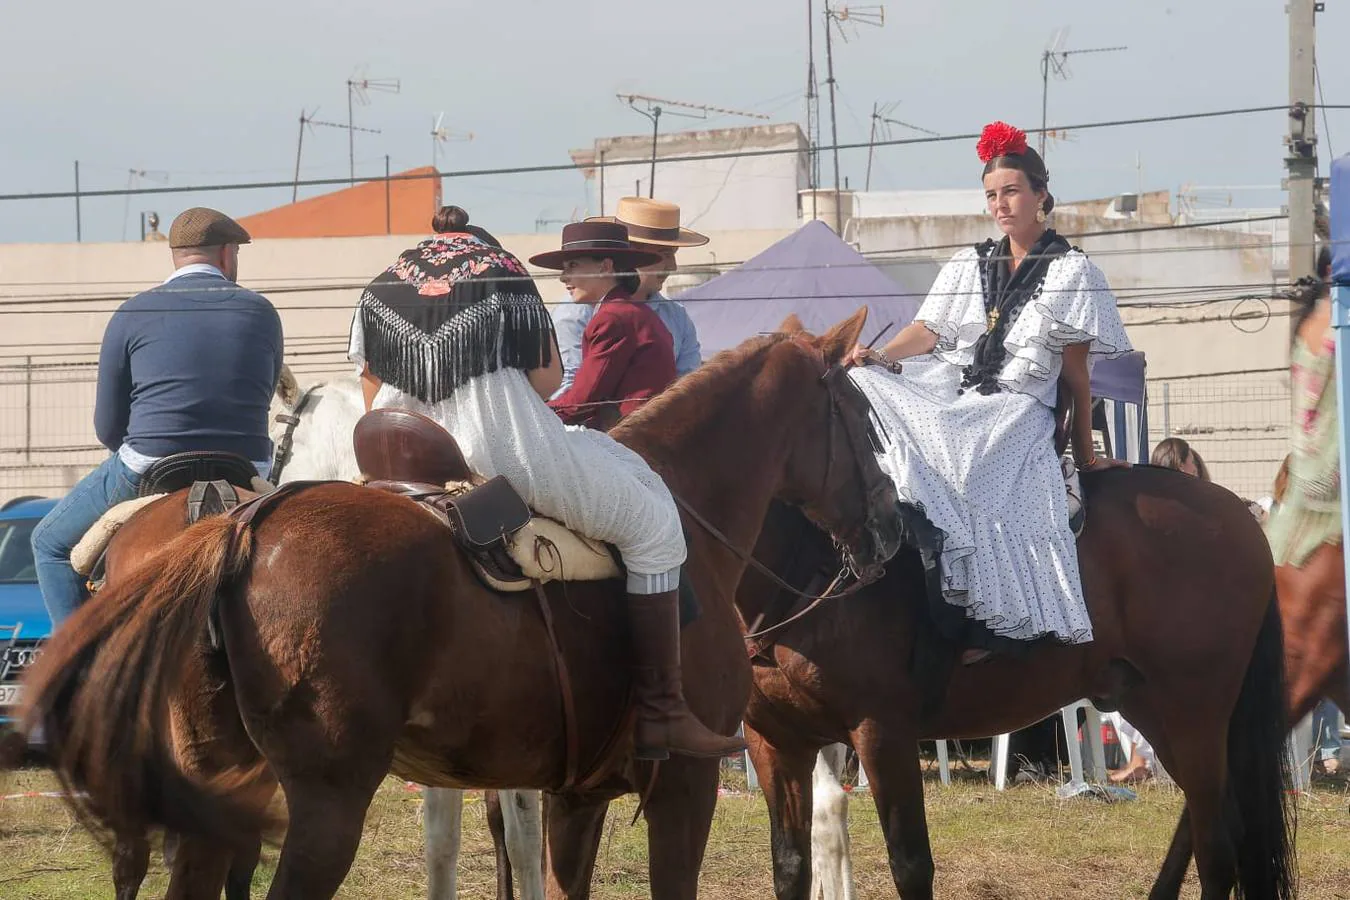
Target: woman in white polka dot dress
(969,419)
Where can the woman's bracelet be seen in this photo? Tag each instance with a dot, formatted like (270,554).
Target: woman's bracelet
(1092,461)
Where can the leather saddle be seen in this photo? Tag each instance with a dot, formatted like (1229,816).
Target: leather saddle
(406,453)
(213,479)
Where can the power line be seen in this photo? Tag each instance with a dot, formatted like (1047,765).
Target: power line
(568,167)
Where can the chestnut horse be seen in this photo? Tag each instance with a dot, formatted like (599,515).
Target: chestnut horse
(1179,583)
(355,639)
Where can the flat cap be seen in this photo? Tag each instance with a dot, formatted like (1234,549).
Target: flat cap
(202,227)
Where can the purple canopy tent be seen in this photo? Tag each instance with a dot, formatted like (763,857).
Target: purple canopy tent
(814,274)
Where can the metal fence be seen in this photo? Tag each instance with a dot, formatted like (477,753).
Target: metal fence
(1239,423)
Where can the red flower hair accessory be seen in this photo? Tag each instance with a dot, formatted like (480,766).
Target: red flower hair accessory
(1001,139)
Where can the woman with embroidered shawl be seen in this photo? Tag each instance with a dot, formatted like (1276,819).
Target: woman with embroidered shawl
(970,420)
(457,331)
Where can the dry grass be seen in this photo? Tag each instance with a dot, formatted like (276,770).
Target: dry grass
(1019,845)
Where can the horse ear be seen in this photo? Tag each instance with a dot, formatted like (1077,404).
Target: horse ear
(791,325)
(836,343)
(288,388)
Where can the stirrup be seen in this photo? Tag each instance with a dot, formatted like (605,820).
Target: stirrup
(1073,490)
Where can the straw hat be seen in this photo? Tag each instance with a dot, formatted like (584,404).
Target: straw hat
(600,240)
(653,222)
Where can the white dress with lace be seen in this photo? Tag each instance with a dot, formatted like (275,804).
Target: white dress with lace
(983,466)
(580,477)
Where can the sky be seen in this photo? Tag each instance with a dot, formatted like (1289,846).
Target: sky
(198,94)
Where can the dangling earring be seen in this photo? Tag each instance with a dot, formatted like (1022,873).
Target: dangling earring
(1040,214)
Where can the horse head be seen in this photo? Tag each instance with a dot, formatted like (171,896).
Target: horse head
(832,469)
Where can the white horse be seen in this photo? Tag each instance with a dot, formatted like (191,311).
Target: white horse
(320,448)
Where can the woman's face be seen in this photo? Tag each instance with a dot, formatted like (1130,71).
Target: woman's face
(588,279)
(652,278)
(1012,202)
(1188,466)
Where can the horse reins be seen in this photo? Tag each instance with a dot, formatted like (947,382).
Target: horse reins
(759,640)
(291,420)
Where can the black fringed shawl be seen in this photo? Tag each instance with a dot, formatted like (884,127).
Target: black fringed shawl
(450,309)
(1005,294)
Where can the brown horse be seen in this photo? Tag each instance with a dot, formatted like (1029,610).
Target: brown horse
(1316,651)
(144,535)
(355,639)
(1179,583)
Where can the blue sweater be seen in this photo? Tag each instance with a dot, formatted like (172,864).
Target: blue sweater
(189,365)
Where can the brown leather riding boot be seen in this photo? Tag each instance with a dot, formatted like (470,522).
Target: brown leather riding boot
(664,723)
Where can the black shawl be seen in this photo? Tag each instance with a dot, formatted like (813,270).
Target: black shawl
(1005,293)
(450,309)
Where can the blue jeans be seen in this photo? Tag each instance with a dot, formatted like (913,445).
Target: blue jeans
(1326,731)
(61,529)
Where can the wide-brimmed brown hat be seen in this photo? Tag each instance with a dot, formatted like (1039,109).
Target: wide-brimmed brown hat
(600,240)
(205,227)
(653,222)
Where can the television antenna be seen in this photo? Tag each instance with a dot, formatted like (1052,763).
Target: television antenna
(1055,61)
(133,176)
(881,127)
(838,16)
(440,135)
(654,107)
(358,91)
(307,122)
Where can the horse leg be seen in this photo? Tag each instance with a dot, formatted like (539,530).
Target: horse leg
(679,817)
(131,859)
(1167,886)
(524,841)
(785,778)
(831,867)
(239,880)
(572,840)
(442,818)
(492,803)
(324,832)
(200,868)
(890,756)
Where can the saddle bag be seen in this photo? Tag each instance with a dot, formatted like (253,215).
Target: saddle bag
(486,515)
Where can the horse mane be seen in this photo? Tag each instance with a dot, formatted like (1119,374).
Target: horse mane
(686,402)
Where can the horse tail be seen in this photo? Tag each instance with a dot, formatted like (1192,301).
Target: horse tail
(102,686)
(1260,815)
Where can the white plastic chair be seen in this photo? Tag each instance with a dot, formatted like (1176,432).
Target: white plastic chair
(1092,727)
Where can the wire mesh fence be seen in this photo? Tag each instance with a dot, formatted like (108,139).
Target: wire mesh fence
(1239,423)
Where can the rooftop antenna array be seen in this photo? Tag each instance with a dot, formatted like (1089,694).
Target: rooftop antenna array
(134,175)
(881,127)
(1055,61)
(654,107)
(440,135)
(358,91)
(307,122)
(838,17)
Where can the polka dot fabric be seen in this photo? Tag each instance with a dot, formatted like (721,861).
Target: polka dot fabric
(983,467)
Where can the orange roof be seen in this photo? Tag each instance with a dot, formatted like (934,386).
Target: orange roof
(357,211)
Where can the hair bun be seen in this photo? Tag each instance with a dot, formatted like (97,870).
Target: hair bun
(450,218)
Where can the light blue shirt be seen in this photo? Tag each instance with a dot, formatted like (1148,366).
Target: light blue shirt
(570,321)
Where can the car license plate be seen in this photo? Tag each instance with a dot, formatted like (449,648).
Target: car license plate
(10,694)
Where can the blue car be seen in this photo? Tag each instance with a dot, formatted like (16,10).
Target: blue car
(24,623)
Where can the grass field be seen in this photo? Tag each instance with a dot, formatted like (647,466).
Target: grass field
(1022,844)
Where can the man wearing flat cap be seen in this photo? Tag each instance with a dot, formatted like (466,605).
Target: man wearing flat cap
(188,365)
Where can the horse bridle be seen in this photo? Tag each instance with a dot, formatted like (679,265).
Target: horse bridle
(861,579)
(290,420)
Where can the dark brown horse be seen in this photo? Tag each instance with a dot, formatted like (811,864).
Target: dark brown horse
(148,532)
(1179,583)
(1316,652)
(355,640)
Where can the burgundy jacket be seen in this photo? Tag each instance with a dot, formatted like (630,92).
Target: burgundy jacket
(627,355)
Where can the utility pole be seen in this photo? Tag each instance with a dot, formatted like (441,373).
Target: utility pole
(812,108)
(867,15)
(1301,142)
